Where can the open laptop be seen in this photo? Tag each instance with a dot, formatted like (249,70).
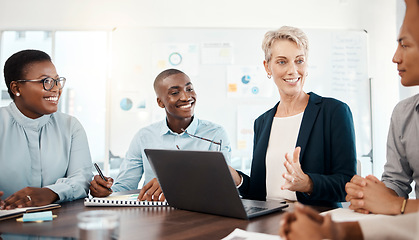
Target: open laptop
(200,181)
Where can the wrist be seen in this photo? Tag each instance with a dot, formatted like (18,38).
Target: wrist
(309,188)
(50,195)
(397,206)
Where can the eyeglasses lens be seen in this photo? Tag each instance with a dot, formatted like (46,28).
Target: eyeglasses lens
(49,83)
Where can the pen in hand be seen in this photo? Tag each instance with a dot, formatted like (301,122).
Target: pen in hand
(101,174)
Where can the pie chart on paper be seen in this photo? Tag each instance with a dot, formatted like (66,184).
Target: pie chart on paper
(246,79)
(126,104)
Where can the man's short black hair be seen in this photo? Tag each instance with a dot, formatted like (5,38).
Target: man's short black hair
(166,73)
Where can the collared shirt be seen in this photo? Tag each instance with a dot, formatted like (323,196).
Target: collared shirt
(402,166)
(50,151)
(159,136)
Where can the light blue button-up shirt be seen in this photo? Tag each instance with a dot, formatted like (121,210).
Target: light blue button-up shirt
(159,136)
(50,151)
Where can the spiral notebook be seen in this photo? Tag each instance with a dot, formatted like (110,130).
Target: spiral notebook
(129,200)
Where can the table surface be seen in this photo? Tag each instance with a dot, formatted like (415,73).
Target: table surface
(147,223)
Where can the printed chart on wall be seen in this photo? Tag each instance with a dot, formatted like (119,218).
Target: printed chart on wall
(248,81)
(184,57)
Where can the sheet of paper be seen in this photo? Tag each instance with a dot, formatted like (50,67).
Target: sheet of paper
(239,234)
(127,197)
(347,215)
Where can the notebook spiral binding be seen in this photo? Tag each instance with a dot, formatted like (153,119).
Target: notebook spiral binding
(92,202)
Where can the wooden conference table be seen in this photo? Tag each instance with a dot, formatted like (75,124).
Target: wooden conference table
(147,223)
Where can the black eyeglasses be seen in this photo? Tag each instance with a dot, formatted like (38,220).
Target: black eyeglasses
(48,82)
(205,139)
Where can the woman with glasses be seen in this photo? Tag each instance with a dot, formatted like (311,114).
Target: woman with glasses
(304,147)
(44,154)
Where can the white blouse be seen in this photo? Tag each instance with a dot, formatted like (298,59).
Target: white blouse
(284,134)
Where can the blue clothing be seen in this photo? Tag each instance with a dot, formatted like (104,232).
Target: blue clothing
(50,151)
(328,155)
(159,136)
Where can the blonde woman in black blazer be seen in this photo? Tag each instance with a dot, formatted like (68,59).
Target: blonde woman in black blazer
(319,157)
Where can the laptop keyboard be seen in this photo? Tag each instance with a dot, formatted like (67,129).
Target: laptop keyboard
(251,209)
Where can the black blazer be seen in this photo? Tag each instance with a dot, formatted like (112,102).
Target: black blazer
(328,154)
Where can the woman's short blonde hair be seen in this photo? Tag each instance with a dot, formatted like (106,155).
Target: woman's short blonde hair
(285,32)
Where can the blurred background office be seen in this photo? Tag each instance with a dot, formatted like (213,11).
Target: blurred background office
(110,52)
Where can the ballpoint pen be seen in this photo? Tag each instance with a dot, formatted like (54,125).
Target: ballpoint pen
(101,174)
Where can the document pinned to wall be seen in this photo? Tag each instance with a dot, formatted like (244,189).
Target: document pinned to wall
(248,81)
(246,115)
(217,53)
(182,56)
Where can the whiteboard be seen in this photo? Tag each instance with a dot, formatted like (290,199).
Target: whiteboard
(213,56)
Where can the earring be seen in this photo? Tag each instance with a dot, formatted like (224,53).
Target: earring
(17,94)
(269,76)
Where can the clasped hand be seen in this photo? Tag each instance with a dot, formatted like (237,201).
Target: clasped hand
(306,223)
(370,195)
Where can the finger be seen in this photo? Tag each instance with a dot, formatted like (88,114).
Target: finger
(142,195)
(284,224)
(348,198)
(162,197)
(373,178)
(328,222)
(354,190)
(363,211)
(148,190)
(94,185)
(357,204)
(358,180)
(11,202)
(156,195)
(288,177)
(97,190)
(301,215)
(296,155)
(153,192)
(288,166)
(310,212)
(104,184)
(24,202)
(283,228)
(109,182)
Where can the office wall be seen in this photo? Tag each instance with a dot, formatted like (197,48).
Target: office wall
(377,17)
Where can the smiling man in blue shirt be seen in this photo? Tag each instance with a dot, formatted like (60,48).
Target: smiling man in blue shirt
(176,94)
